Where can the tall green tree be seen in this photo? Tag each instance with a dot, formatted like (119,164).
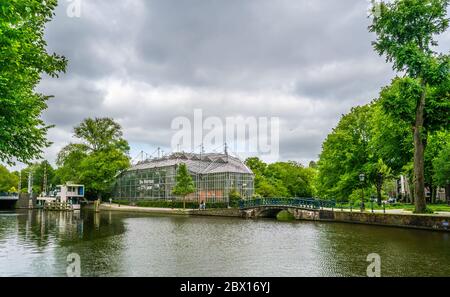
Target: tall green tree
(441,165)
(406,34)
(345,154)
(184,183)
(366,140)
(99,134)
(97,158)
(282,179)
(23,60)
(436,143)
(8,180)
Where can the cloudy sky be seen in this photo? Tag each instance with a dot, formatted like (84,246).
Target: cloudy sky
(145,62)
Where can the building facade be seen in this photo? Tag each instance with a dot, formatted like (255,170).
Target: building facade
(214,175)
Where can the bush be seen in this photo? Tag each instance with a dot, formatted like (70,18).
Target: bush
(285,216)
(121,202)
(234,197)
(169,204)
(427,211)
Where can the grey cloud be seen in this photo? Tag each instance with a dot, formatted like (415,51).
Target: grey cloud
(145,62)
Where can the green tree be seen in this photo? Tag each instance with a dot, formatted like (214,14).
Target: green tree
(99,134)
(23,60)
(234,196)
(390,147)
(297,179)
(97,159)
(345,154)
(98,171)
(8,181)
(436,143)
(184,183)
(282,179)
(441,165)
(406,31)
(69,161)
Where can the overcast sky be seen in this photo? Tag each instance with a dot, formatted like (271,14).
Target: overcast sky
(146,62)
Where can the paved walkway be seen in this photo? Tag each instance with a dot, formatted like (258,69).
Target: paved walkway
(395,212)
(106,206)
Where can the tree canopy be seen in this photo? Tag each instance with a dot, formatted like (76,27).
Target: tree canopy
(23,60)
(97,158)
(282,179)
(8,180)
(406,33)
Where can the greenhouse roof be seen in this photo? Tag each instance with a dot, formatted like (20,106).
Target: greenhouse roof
(197,163)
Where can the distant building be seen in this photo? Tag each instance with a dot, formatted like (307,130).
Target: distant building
(69,193)
(214,175)
(405,193)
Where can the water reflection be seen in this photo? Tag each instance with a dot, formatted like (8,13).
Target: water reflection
(36,243)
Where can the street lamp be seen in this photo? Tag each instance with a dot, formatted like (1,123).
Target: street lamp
(447,191)
(362,176)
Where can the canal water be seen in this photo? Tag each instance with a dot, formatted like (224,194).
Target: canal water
(37,243)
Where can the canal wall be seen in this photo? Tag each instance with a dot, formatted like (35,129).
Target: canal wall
(231,212)
(416,221)
(24,201)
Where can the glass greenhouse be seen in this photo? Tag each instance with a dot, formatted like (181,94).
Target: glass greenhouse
(214,175)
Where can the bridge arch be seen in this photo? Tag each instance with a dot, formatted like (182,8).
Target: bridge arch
(270,212)
(301,208)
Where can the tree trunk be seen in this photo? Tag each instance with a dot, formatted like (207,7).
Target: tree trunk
(379,186)
(184,202)
(433,194)
(419,150)
(447,193)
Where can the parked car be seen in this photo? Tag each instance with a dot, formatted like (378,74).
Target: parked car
(392,200)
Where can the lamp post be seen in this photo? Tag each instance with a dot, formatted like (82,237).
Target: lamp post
(447,191)
(362,176)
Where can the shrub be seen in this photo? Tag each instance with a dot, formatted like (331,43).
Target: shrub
(234,197)
(285,216)
(427,210)
(170,204)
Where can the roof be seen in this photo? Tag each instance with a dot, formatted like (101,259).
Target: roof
(197,163)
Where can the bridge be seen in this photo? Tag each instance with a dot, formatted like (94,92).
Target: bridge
(301,208)
(8,201)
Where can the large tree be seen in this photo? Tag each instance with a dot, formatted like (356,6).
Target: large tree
(96,159)
(406,32)
(441,165)
(282,179)
(42,172)
(366,140)
(8,181)
(23,60)
(345,154)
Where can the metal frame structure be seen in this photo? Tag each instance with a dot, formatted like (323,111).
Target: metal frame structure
(214,175)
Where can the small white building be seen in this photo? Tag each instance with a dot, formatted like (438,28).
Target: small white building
(69,193)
